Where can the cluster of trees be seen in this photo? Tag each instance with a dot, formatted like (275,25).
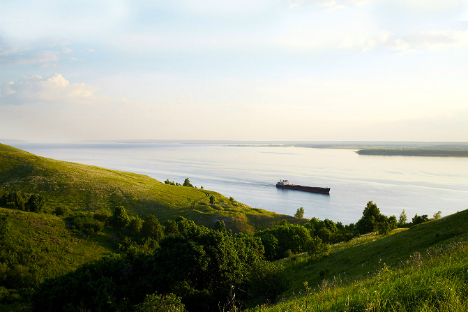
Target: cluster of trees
(175,265)
(16,200)
(313,237)
(198,265)
(372,220)
(186,183)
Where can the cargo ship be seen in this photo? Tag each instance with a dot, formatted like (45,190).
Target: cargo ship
(284,184)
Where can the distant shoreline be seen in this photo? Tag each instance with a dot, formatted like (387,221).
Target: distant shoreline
(413,152)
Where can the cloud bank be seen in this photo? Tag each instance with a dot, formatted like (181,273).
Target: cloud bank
(35,89)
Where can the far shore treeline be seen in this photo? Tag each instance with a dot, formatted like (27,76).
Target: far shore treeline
(414,152)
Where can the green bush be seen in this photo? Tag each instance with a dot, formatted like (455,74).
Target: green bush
(86,223)
(160,303)
(120,218)
(63,211)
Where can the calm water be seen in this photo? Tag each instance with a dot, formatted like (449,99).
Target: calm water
(422,185)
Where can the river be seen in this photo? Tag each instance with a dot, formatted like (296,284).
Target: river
(422,185)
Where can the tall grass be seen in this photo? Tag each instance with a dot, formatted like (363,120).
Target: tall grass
(435,280)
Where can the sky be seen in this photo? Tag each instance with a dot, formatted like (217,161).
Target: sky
(276,70)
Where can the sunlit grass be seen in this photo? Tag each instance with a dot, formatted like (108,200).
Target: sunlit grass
(388,273)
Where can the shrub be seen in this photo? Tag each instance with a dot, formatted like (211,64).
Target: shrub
(35,203)
(135,225)
(152,228)
(86,223)
(159,303)
(101,216)
(299,213)
(120,218)
(63,211)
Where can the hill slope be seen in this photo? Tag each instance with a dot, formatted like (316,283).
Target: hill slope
(90,188)
(424,266)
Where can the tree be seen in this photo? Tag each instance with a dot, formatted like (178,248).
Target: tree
(212,199)
(386,225)
(219,225)
(152,228)
(120,218)
(171,227)
(437,215)
(402,219)
(419,219)
(14,200)
(35,203)
(187,183)
(158,303)
(299,213)
(135,225)
(370,219)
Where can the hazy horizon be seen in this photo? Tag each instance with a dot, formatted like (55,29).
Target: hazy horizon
(282,70)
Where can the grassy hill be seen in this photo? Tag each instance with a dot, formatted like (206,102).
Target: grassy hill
(38,246)
(423,268)
(90,188)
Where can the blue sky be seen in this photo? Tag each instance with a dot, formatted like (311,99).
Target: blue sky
(234,70)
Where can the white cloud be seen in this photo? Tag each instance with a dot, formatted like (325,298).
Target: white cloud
(429,5)
(331,4)
(44,58)
(67,50)
(34,89)
(430,40)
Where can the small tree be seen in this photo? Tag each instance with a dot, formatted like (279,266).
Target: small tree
(156,303)
(152,228)
(419,219)
(14,200)
(120,218)
(402,220)
(370,219)
(35,203)
(171,227)
(386,225)
(187,183)
(135,225)
(299,213)
(212,199)
(437,215)
(219,225)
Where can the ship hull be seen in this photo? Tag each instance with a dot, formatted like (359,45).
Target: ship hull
(310,189)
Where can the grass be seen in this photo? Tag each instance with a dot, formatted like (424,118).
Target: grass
(60,249)
(423,268)
(42,247)
(90,188)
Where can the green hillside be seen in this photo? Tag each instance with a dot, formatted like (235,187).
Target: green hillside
(90,188)
(423,268)
(36,246)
